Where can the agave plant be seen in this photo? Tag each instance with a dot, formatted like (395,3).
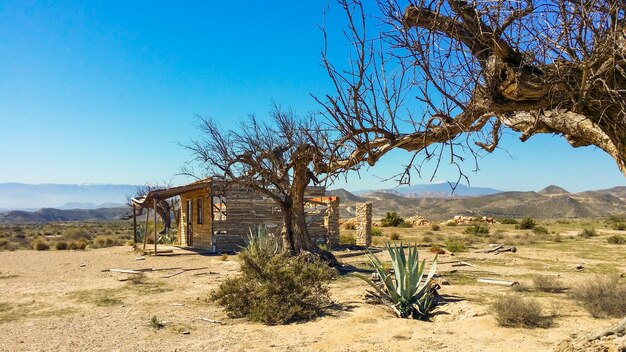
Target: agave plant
(409,293)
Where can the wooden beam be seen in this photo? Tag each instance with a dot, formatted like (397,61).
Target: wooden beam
(145,230)
(134,226)
(154,203)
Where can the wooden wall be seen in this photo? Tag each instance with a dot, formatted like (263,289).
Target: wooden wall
(202,234)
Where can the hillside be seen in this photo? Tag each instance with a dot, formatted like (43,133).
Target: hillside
(552,203)
(50,214)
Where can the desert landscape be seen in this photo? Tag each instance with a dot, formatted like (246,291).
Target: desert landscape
(68,300)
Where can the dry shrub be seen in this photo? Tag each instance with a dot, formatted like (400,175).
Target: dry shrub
(347,239)
(602,296)
(435,227)
(549,284)
(349,226)
(72,246)
(394,236)
(60,246)
(616,239)
(40,245)
(274,289)
(77,234)
(515,311)
(81,245)
(376,232)
(435,248)
(104,242)
(587,232)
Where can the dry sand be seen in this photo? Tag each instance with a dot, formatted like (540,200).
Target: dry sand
(62,301)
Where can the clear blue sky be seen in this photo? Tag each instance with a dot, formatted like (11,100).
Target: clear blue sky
(103,92)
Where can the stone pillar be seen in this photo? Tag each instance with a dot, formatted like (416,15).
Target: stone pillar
(332,224)
(364,224)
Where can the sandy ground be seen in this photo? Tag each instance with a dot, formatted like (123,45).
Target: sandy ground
(63,301)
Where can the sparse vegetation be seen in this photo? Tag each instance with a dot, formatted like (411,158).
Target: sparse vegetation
(394,236)
(549,284)
(616,239)
(540,230)
(526,224)
(455,245)
(477,229)
(347,239)
(515,311)
(104,242)
(587,232)
(155,323)
(508,221)
(392,220)
(61,246)
(376,232)
(602,296)
(274,288)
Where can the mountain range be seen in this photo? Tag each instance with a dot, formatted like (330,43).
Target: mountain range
(552,202)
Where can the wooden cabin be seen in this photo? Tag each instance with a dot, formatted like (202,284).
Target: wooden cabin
(217,218)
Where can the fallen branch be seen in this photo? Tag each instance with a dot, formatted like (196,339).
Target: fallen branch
(497,282)
(459,263)
(211,320)
(123,271)
(176,273)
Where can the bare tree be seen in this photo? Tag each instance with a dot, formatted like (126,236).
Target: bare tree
(279,159)
(448,76)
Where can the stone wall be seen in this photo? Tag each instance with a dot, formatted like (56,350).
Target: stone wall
(364,224)
(332,224)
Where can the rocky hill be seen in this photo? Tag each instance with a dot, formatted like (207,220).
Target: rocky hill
(550,203)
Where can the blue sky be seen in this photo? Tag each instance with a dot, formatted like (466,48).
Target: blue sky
(104,92)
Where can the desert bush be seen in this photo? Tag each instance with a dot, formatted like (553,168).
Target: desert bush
(394,236)
(274,288)
(435,248)
(557,237)
(477,230)
(540,230)
(349,226)
(77,234)
(347,239)
(616,239)
(3,242)
(549,284)
(427,239)
(60,246)
(435,227)
(515,311)
(404,289)
(104,242)
(40,245)
(72,246)
(617,222)
(81,245)
(391,220)
(602,296)
(618,226)
(376,232)
(587,232)
(455,245)
(526,224)
(508,221)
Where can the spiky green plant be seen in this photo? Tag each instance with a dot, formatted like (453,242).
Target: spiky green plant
(404,289)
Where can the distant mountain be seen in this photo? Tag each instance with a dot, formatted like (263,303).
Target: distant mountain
(554,203)
(50,214)
(435,190)
(75,205)
(552,189)
(30,196)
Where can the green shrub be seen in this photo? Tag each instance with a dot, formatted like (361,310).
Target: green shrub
(40,245)
(394,236)
(376,232)
(616,239)
(60,246)
(549,284)
(540,230)
(435,227)
(508,221)
(391,220)
(455,245)
(405,290)
(602,296)
(477,229)
(587,232)
(274,289)
(515,311)
(347,239)
(526,224)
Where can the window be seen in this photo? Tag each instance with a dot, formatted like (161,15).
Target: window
(219,208)
(199,209)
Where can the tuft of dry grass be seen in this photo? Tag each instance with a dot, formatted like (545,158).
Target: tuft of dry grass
(549,284)
(603,296)
(394,236)
(515,311)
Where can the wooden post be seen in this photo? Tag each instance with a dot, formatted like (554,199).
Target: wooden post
(134,226)
(154,202)
(145,230)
